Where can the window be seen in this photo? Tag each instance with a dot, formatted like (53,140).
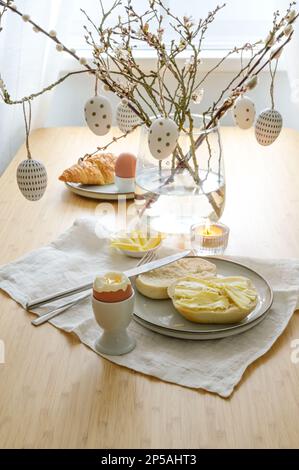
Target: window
(238,22)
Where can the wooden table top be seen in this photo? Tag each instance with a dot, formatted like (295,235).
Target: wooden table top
(56,393)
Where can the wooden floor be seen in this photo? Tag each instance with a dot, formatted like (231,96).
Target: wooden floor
(56,393)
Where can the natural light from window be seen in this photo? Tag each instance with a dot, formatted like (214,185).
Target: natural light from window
(238,22)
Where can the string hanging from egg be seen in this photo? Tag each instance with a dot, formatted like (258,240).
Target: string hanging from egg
(273,76)
(96,86)
(163,133)
(244,109)
(32,176)
(98,113)
(269,123)
(27,126)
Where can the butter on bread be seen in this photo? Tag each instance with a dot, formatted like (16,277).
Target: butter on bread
(213,299)
(154,284)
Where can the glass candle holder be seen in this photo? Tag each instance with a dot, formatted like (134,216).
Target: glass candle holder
(209,239)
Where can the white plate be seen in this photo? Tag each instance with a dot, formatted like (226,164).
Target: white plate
(161,316)
(199,336)
(108,191)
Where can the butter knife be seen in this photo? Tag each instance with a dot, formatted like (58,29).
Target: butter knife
(129,273)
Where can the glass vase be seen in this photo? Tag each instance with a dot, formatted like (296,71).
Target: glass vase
(187,187)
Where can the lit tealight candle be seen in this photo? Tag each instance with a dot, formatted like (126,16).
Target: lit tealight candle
(209,238)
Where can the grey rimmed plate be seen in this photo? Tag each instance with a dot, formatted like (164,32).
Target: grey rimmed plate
(108,192)
(161,317)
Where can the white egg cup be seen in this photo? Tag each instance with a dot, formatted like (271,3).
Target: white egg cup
(114,318)
(127,185)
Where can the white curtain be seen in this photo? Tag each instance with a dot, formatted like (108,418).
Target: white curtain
(290,63)
(28,62)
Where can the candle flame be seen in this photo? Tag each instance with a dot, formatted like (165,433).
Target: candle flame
(207,230)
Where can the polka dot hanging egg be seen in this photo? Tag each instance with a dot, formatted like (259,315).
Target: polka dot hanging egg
(32,179)
(126,118)
(98,115)
(162,138)
(244,112)
(268,127)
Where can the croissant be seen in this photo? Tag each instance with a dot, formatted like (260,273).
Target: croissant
(94,170)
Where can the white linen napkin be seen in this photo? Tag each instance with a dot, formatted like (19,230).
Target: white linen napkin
(216,365)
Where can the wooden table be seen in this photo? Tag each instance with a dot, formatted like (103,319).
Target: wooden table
(55,392)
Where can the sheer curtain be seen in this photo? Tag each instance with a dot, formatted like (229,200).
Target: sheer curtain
(290,62)
(28,62)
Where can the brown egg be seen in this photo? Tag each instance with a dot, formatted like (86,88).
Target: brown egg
(125,166)
(112,287)
(111,297)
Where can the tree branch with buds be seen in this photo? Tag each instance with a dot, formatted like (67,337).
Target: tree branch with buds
(114,63)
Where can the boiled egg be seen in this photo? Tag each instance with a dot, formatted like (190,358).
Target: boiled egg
(112,287)
(125,169)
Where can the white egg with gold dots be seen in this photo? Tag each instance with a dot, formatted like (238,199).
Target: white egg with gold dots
(244,112)
(162,138)
(98,115)
(32,179)
(126,118)
(268,127)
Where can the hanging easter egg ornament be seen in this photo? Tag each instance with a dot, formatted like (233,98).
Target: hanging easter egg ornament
(162,138)
(126,118)
(269,123)
(32,179)
(98,115)
(244,112)
(31,174)
(268,127)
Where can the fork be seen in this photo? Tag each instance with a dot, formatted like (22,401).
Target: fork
(150,256)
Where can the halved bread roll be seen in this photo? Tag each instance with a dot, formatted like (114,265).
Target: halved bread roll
(213,300)
(154,284)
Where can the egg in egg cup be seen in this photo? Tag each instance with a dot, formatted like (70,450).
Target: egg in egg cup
(113,305)
(125,170)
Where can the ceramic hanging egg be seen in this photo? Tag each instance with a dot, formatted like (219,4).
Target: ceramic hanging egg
(268,126)
(98,115)
(162,138)
(32,179)
(244,112)
(126,118)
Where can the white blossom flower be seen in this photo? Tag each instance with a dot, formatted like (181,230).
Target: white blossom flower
(198,96)
(73,51)
(36,29)
(291,15)
(13,6)
(252,82)
(288,30)
(83,61)
(276,53)
(52,33)
(25,18)
(270,40)
(189,63)
(59,47)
